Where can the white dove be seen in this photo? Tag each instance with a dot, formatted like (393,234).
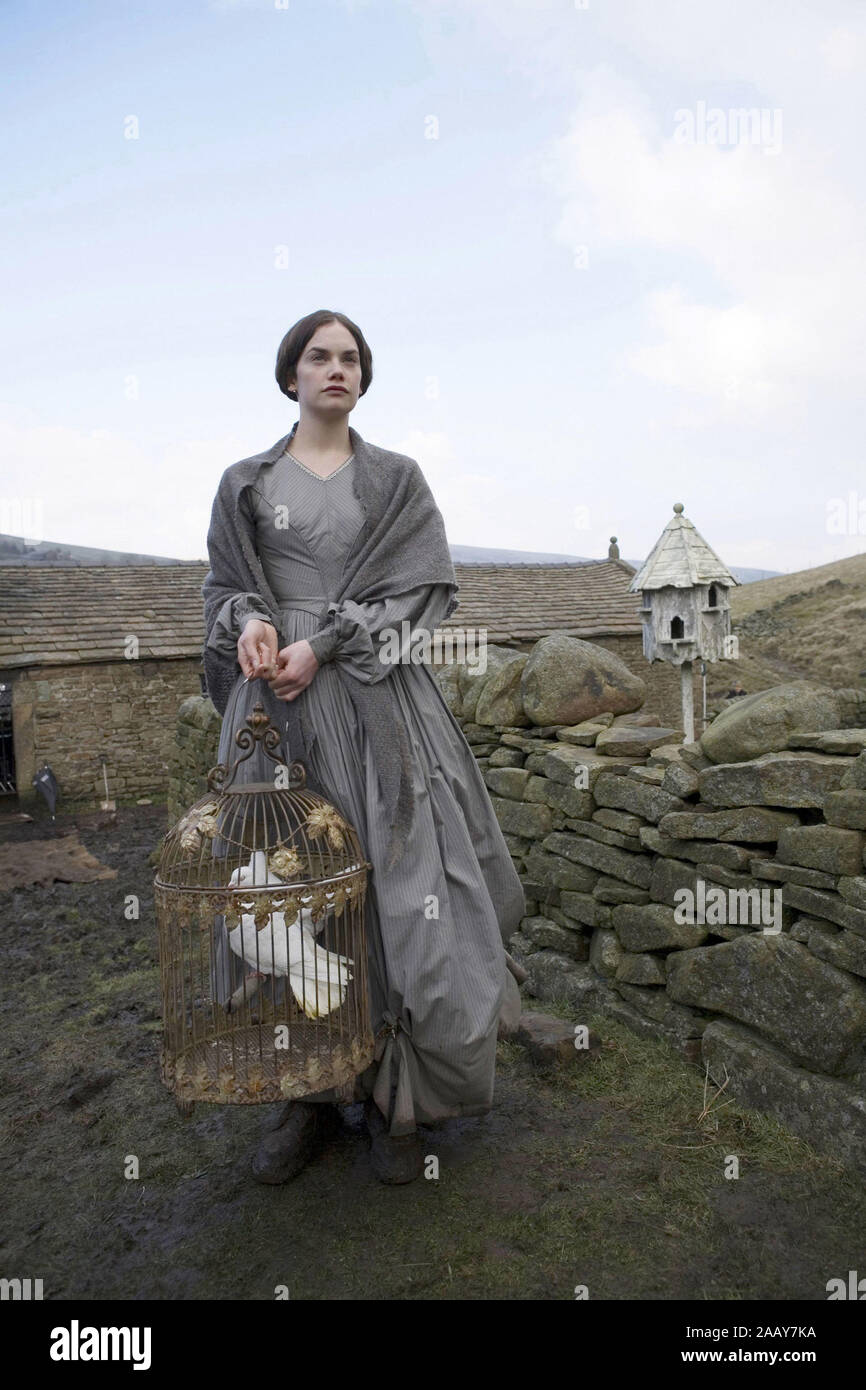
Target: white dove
(318,978)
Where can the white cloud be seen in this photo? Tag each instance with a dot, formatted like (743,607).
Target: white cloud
(780,234)
(472,504)
(781,241)
(844,49)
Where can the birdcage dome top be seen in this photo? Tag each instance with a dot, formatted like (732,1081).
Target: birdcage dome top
(251,833)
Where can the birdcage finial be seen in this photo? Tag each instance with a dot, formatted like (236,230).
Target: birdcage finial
(260,730)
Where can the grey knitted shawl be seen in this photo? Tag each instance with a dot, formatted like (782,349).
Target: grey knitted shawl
(400,545)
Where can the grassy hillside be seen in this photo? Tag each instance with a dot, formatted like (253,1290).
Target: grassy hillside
(808,625)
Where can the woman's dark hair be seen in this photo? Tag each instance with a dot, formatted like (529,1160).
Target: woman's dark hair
(299,335)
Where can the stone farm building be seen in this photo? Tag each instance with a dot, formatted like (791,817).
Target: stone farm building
(97,658)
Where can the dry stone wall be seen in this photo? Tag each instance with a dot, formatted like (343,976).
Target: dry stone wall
(719,905)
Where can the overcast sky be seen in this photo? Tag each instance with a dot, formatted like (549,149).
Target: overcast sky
(594,284)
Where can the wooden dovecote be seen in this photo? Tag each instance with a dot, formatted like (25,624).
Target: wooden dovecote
(686,613)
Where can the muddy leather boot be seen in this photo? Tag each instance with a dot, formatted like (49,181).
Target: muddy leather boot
(296,1135)
(393,1159)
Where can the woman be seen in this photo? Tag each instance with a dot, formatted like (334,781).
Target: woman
(317,547)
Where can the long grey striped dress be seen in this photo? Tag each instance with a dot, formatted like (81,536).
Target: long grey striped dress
(439,981)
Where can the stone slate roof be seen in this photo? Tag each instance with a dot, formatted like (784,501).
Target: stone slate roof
(520,603)
(681,558)
(64,615)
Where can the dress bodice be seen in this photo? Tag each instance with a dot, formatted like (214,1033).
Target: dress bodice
(305,526)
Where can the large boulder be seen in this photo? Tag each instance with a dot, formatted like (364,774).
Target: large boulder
(763,722)
(471,680)
(500,700)
(566,681)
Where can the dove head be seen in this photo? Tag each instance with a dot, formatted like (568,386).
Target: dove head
(258,868)
(253,874)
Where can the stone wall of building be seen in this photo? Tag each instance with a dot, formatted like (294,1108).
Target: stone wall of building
(70,716)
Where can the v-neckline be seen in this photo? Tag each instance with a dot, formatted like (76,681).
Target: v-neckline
(322,478)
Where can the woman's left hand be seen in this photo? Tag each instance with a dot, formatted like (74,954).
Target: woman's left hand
(296,666)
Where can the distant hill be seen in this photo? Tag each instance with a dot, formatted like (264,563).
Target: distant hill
(16,550)
(479,555)
(749,576)
(810,625)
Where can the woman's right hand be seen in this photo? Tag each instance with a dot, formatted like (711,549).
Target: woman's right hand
(257,648)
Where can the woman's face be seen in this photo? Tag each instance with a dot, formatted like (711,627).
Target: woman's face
(330,360)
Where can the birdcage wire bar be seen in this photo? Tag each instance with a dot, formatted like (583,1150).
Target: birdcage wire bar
(259,896)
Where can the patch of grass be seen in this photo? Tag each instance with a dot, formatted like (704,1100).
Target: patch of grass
(676,1105)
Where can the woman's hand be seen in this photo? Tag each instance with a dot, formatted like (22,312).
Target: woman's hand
(257,648)
(296,665)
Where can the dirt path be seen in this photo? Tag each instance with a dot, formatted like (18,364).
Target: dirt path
(595,1176)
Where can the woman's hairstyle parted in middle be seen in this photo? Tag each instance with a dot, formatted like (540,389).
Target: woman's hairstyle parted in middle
(293,344)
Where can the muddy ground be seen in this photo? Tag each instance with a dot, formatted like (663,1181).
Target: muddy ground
(599,1174)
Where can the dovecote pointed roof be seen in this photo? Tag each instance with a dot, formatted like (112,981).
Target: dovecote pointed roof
(681,559)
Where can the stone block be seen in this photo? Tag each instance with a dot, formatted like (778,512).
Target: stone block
(640,968)
(828,906)
(556,871)
(791,873)
(607,859)
(613,891)
(549,1040)
(828,848)
(653,927)
(846,807)
(775,779)
(623,821)
(571,801)
(507,781)
(624,794)
(605,952)
(522,817)
(777,987)
(750,823)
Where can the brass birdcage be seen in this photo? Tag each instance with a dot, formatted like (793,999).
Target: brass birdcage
(259,897)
